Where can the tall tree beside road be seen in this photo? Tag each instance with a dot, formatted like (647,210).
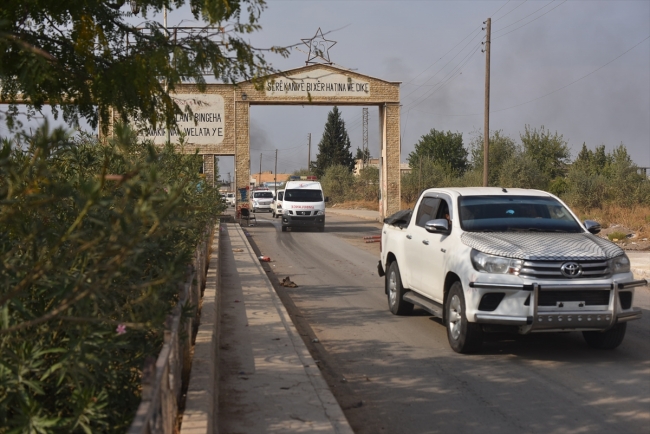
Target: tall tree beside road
(83,57)
(334,147)
(549,151)
(440,148)
(502,147)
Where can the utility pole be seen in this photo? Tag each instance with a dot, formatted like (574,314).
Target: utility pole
(275,176)
(364,145)
(309,153)
(259,180)
(486,122)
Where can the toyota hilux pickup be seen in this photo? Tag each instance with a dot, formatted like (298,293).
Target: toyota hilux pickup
(494,259)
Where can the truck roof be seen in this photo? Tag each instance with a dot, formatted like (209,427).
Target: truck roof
(488,191)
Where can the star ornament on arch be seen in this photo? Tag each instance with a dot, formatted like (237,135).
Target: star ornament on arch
(318,47)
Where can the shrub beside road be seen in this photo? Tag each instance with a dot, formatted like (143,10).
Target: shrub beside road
(94,240)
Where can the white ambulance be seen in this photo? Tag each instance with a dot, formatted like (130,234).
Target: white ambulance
(303,204)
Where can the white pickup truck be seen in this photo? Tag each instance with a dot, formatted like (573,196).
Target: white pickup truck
(494,259)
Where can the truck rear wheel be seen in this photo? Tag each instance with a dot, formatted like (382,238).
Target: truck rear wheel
(395,291)
(607,340)
(464,337)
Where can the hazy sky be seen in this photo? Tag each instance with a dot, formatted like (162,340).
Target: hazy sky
(581,68)
(533,56)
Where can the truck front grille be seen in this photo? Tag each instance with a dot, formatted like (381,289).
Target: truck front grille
(549,297)
(551,269)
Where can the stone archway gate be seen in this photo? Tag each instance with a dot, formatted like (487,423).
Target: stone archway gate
(222,115)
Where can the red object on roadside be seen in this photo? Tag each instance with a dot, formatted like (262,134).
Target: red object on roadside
(264,258)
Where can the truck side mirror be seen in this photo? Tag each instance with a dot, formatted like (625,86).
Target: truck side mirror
(592,226)
(437,226)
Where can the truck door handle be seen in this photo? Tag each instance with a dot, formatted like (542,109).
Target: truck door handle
(409,237)
(425,242)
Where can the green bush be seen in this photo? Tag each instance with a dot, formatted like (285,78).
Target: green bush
(618,236)
(337,183)
(94,240)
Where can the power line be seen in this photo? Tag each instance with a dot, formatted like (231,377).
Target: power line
(574,81)
(549,93)
(513,9)
(521,19)
(502,6)
(523,25)
(457,70)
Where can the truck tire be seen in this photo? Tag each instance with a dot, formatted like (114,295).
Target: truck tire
(395,291)
(607,340)
(464,337)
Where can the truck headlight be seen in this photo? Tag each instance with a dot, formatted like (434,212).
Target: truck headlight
(494,264)
(620,264)
(319,212)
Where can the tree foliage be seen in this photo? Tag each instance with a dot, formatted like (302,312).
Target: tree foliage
(75,56)
(441,148)
(549,150)
(91,237)
(334,146)
(597,177)
(502,147)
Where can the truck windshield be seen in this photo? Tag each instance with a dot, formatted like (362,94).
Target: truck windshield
(515,214)
(303,195)
(263,194)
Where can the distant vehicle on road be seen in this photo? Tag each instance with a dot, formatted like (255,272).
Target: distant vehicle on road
(276,205)
(230,199)
(261,200)
(303,205)
(496,259)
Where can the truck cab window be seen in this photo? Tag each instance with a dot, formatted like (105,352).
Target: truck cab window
(427,210)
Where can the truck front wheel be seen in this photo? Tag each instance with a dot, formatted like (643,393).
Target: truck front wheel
(607,340)
(395,291)
(463,336)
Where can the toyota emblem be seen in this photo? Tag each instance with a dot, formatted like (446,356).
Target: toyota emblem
(571,269)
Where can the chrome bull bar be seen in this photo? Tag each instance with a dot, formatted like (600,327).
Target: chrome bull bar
(551,320)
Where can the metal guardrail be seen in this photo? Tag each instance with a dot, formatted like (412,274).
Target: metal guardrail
(163,378)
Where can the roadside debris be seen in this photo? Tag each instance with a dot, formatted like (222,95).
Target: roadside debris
(287,283)
(237,250)
(372,239)
(264,258)
(315,340)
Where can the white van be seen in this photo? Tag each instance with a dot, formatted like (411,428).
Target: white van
(276,205)
(303,205)
(261,200)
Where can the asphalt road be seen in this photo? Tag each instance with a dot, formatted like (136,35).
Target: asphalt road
(398,375)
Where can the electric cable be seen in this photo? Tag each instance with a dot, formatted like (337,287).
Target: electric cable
(524,25)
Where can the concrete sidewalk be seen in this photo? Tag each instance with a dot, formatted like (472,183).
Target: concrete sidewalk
(269,382)
(639,260)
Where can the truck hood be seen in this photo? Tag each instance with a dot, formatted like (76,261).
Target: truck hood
(542,246)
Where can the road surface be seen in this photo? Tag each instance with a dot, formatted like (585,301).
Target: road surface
(398,375)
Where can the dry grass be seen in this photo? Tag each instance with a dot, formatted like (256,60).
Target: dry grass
(358,204)
(635,218)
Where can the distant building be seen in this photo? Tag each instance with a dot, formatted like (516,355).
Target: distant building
(258,179)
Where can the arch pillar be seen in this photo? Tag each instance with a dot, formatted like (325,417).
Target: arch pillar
(242,146)
(390,176)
